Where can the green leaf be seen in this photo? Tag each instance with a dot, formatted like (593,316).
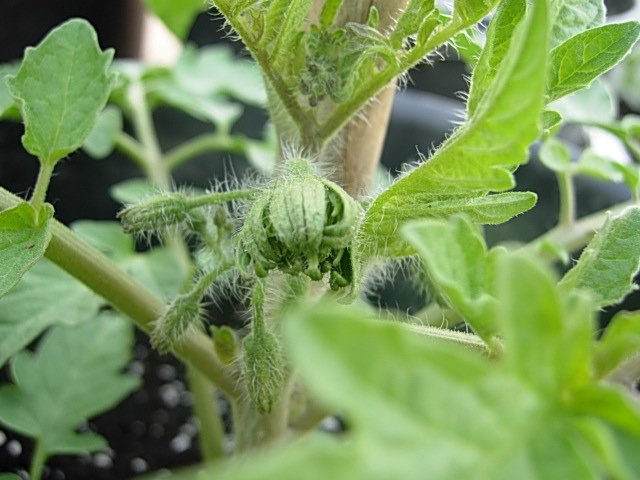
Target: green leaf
(177,16)
(6,100)
(157,269)
(459,268)
(102,139)
(499,35)
(46,296)
(61,87)
(608,264)
(620,342)
(571,17)
(410,20)
(581,59)
(470,12)
(551,121)
(555,155)
(24,236)
(480,156)
(73,376)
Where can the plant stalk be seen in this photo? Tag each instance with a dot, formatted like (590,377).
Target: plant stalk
(38,460)
(211,430)
(42,185)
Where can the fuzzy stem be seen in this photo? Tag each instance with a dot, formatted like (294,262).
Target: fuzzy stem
(577,235)
(132,149)
(567,198)
(42,185)
(37,461)
(204,143)
(215,198)
(211,432)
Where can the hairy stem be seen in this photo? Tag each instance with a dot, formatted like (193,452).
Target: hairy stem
(211,431)
(204,143)
(37,462)
(576,236)
(42,185)
(567,198)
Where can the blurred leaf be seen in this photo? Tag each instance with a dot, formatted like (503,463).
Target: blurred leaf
(177,16)
(61,87)
(595,166)
(214,70)
(621,341)
(571,17)
(538,325)
(551,121)
(594,104)
(73,376)
(9,476)
(608,264)
(555,155)
(214,109)
(46,296)
(6,100)
(157,269)
(459,267)
(481,155)
(262,154)
(131,191)
(24,236)
(625,79)
(581,59)
(102,139)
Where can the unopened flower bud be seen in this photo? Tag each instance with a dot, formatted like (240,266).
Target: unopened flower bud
(155,213)
(299,225)
(263,369)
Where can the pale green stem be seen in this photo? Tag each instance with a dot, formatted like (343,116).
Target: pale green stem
(207,142)
(132,149)
(211,433)
(153,161)
(42,185)
(566,187)
(577,235)
(37,461)
(215,198)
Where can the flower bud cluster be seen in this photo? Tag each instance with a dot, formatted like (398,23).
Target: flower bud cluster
(302,224)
